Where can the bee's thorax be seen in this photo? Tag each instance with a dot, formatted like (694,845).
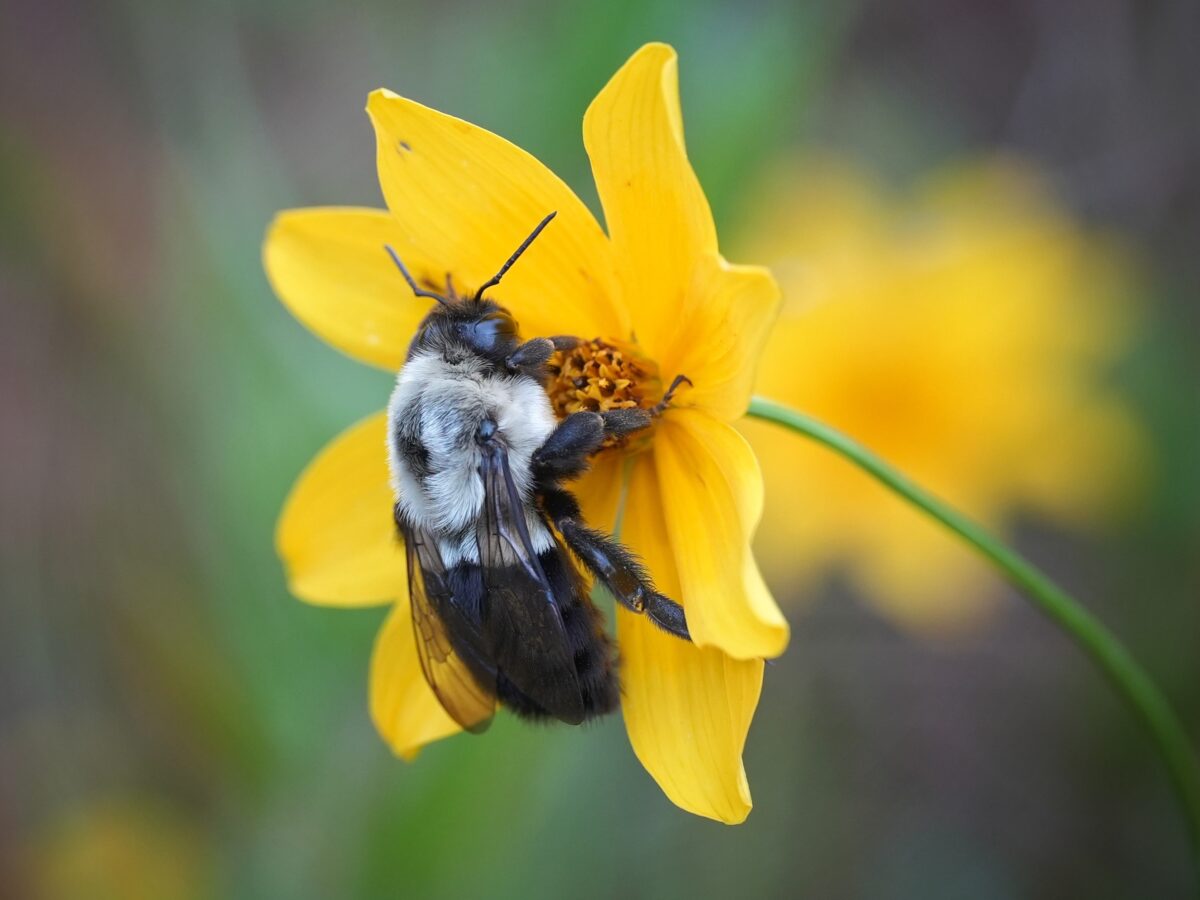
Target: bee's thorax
(436,412)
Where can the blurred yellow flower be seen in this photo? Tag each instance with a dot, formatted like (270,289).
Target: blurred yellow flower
(660,299)
(122,848)
(963,333)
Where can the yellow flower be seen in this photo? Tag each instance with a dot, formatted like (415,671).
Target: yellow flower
(961,333)
(459,201)
(120,847)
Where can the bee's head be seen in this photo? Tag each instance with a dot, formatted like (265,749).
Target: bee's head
(460,325)
(483,328)
(488,329)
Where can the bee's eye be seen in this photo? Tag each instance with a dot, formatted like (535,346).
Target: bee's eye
(489,332)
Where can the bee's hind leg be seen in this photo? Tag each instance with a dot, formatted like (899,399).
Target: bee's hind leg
(613,564)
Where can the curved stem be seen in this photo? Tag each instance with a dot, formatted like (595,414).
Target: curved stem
(1130,680)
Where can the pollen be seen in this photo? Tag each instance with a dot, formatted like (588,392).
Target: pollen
(600,376)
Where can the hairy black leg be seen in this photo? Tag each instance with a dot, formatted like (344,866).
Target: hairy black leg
(613,564)
(620,422)
(566,452)
(530,356)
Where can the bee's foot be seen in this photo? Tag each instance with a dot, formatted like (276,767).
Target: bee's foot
(661,406)
(667,615)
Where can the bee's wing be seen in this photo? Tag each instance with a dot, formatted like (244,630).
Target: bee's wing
(522,621)
(457,670)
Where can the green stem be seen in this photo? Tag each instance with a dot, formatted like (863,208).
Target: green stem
(1130,680)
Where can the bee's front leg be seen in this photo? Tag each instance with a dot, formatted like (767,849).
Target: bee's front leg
(530,357)
(565,342)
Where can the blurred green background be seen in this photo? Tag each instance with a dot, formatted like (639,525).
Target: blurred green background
(174,725)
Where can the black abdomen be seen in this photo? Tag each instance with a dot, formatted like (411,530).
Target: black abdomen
(595,656)
(593,653)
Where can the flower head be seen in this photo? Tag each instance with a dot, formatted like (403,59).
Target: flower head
(963,334)
(119,846)
(651,300)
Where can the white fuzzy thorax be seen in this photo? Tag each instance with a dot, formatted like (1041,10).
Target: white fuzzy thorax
(450,401)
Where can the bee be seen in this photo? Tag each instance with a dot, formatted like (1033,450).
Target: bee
(494,541)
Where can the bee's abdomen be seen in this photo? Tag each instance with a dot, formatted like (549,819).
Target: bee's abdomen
(595,655)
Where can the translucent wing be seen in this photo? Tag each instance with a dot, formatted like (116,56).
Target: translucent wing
(449,637)
(522,623)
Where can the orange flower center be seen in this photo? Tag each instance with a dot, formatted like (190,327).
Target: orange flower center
(600,375)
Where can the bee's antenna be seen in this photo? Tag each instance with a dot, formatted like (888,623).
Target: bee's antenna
(416,288)
(495,279)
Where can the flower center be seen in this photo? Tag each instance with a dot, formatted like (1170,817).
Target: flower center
(599,376)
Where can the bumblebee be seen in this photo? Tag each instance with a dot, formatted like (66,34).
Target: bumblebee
(494,541)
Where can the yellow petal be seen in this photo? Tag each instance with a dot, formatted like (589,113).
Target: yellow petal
(403,707)
(657,215)
(599,491)
(712,496)
(722,335)
(469,198)
(687,709)
(336,535)
(329,268)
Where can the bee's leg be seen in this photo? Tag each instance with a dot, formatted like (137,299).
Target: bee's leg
(535,353)
(661,406)
(620,422)
(613,564)
(566,452)
(530,357)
